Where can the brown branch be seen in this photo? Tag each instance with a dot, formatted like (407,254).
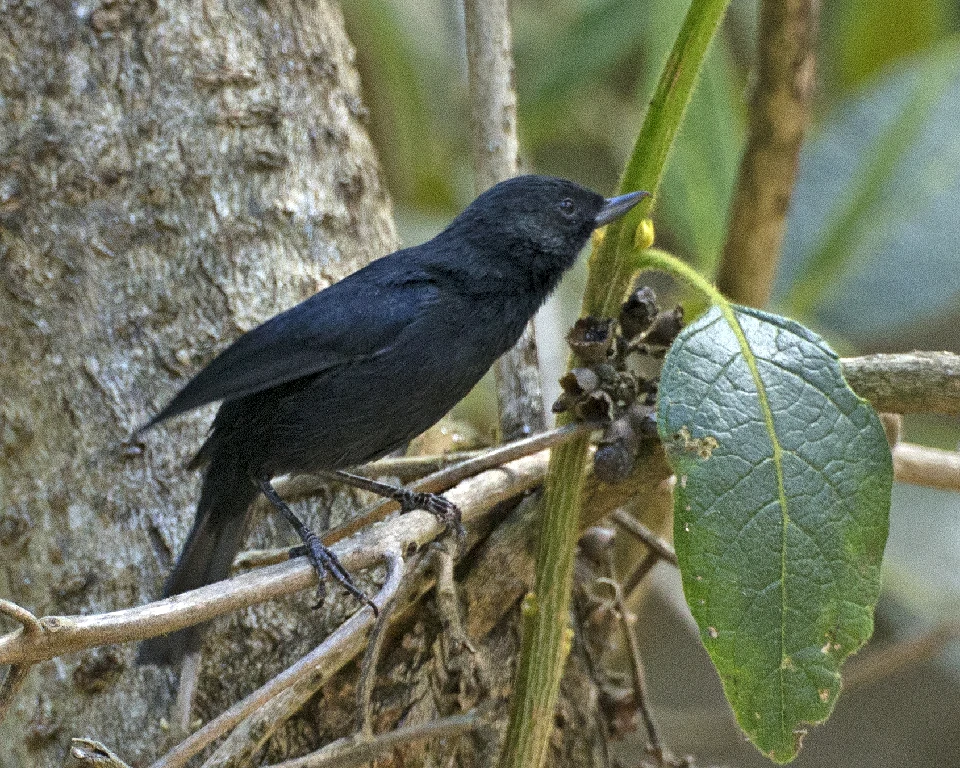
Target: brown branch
(368,667)
(779,114)
(325,660)
(357,750)
(94,754)
(660,546)
(31,624)
(641,696)
(409,468)
(495,152)
(302,487)
(12,683)
(930,467)
(66,634)
(911,382)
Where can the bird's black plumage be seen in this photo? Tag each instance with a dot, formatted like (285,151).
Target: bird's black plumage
(360,368)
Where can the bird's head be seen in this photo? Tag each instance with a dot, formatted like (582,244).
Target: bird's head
(538,223)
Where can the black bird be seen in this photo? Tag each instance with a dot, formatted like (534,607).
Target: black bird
(362,367)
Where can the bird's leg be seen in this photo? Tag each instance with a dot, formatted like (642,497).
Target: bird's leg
(321,558)
(445,511)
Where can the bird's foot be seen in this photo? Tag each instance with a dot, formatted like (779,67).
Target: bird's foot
(445,511)
(324,561)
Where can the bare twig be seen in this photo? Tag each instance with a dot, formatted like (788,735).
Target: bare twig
(888,661)
(250,736)
(779,113)
(325,660)
(186,690)
(638,574)
(640,694)
(912,382)
(12,683)
(357,750)
(67,634)
(31,624)
(409,468)
(930,467)
(94,754)
(448,604)
(302,487)
(368,667)
(495,151)
(655,543)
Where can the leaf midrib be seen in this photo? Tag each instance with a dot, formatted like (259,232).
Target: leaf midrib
(730,316)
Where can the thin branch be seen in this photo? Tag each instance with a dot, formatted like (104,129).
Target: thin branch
(12,683)
(409,468)
(94,754)
(31,624)
(779,114)
(911,382)
(638,574)
(368,667)
(654,543)
(186,691)
(892,427)
(495,151)
(447,599)
(356,750)
(640,694)
(917,382)
(324,661)
(930,467)
(66,634)
(302,487)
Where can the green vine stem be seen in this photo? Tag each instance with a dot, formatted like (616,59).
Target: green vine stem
(654,258)
(546,612)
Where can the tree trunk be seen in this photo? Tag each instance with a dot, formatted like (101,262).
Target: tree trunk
(171,174)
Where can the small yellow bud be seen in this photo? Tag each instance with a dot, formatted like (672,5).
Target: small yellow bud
(529,606)
(643,238)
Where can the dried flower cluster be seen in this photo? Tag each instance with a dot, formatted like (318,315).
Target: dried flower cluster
(617,381)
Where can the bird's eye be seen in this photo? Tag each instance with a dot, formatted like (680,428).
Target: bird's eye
(567,207)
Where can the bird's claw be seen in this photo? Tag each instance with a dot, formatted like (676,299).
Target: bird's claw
(444,510)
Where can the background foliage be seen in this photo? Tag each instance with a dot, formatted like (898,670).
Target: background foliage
(870,260)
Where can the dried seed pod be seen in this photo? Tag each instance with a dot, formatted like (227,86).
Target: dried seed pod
(563,403)
(596,542)
(579,381)
(591,339)
(665,327)
(624,388)
(652,389)
(597,406)
(643,419)
(638,312)
(614,459)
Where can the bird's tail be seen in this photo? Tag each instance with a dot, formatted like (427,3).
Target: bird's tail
(211,547)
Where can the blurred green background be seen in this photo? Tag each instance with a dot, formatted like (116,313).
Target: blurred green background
(871,258)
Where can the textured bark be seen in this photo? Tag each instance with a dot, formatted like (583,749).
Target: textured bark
(170,174)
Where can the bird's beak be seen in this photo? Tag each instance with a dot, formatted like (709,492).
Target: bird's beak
(615,207)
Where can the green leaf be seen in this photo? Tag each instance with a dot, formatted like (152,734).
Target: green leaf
(781,510)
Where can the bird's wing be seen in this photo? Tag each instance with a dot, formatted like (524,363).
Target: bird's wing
(353,319)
